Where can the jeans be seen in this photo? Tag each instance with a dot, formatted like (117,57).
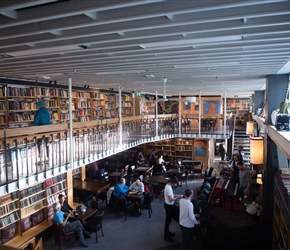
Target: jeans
(77,227)
(169,209)
(187,234)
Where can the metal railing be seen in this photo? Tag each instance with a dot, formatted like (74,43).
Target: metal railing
(31,155)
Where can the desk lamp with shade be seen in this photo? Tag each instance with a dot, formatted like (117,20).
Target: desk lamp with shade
(257,153)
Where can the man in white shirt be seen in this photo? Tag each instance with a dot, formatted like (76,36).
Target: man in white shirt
(169,199)
(187,220)
(137,186)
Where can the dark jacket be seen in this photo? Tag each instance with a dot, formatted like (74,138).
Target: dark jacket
(42,117)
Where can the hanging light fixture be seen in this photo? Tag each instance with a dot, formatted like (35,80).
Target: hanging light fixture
(257,150)
(250,128)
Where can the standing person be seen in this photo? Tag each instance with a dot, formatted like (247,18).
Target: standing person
(42,117)
(234,168)
(140,160)
(169,199)
(245,179)
(239,152)
(187,220)
(75,226)
(222,150)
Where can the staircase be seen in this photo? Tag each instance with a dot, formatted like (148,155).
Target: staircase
(242,139)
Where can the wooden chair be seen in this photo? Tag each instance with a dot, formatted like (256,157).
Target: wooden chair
(61,235)
(95,224)
(124,207)
(146,205)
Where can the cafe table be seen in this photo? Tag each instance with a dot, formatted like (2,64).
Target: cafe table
(92,186)
(158,179)
(82,216)
(179,173)
(143,170)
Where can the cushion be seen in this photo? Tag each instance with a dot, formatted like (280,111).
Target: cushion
(26,223)
(8,232)
(37,217)
(50,210)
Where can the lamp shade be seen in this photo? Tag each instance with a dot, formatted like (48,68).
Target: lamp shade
(250,128)
(257,150)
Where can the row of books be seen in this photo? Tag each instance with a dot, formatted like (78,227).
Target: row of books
(49,182)
(4,209)
(19,125)
(2,106)
(30,191)
(9,219)
(51,103)
(13,91)
(27,117)
(8,197)
(98,95)
(47,91)
(54,198)
(2,91)
(32,199)
(110,97)
(84,118)
(84,104)
(56,188)
(84,111)
(183,148)
(98,103)
(21,105)
(65,116)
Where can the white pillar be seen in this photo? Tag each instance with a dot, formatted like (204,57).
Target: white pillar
(199,114)
(70,123)
(225,113)
(156,115)
(179,115)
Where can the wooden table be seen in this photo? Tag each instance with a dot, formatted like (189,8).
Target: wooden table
(83,216)
(134,196)
(143,170)
(92,186)
(179,172)
(117,166)
(158,179)
(114,177)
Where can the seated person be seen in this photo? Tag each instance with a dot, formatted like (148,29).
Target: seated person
(121,188)
(137,186)
(75,226)
(65,207)
(140,160)
(93,171)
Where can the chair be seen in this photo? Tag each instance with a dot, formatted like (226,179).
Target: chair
(94,224)
(148,198)
(61,235)
(123,206)
(231,194)
(158,190)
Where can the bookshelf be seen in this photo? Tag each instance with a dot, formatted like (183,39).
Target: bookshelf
(54,187)
(21,105)
(98,105)
(31,200)
(184,148)
(64,106)
(50,96)
(3,107)
(110,105)
(126,105)
(84,106)
(147,106)
(9,209)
